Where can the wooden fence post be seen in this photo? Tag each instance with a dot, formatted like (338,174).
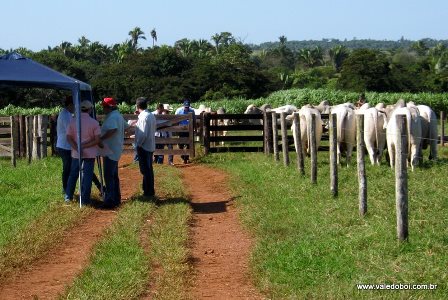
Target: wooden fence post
(53,133)
(298,139)
(284,130)
(191,126)
(362,179)
(29,137)
(313,148)
(333,156)
(442,136)
(267,132)
(401,179)
(43,126)
(22,136)
(275,136)
(206,133)
(14,139)
(36,138)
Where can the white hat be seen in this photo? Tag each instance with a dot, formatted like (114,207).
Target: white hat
(86,104)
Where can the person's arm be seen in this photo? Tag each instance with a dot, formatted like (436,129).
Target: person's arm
(108,134)
(93,142)
(72,142)
(140,134)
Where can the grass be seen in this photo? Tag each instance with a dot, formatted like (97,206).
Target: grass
(32,217)
(144,249)
(168,236)
(119,268)
(310,245)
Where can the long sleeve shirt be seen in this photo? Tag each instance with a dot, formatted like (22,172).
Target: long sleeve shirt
(145,130)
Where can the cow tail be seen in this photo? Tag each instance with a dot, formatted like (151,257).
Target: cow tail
(341,124)
(375,123)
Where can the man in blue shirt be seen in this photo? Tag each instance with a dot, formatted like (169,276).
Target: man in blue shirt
(112,137)
(185,110)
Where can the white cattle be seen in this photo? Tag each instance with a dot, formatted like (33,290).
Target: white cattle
(222,122)
(375,123)
(324,107)
(201,109)
(254,110)
(346,130)
(305,116)
(414,134)
(429,130)
(288,109)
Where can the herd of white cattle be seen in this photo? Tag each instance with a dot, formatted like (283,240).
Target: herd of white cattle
(380,127)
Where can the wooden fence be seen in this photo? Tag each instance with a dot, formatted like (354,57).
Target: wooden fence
(30,136)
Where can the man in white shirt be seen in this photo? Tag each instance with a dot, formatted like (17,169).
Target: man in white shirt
(145,142)
(62,145)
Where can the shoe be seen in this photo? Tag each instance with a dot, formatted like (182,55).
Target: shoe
(67,199)
(171,163)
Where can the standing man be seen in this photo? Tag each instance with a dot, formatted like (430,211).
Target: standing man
(185,110)
(62,145)
(90,138)
(146,143)
(112,136)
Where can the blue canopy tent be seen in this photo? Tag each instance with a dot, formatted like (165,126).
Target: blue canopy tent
(19,71)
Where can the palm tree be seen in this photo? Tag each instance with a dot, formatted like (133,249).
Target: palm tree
(154,36)
(217,39)
(282,40)
(338,54)
(184,47)
(136,34)
(120,51)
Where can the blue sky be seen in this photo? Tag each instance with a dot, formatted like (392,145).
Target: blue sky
(37,24)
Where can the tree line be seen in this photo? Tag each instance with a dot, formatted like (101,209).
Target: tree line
(225,67)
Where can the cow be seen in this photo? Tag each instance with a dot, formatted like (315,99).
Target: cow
(375,123)
(414,131)
(429,130)
(254,110)
(346,130)
(305,114)
(222,122)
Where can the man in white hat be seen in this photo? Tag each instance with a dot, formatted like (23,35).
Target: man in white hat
(90,138)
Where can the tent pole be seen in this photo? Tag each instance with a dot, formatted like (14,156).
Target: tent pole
(98,158)
(76,98)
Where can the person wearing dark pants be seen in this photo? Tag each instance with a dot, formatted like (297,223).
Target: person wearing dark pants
(62,145)
(145,129)
(145,164)
(90,138)
(112,137)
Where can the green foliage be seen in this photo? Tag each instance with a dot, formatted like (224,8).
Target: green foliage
(365,70)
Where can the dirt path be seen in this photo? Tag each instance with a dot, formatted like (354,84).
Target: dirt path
(219,247)
(49,276)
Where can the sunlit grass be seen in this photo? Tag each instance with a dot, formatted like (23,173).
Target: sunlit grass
(33,217)
(311,245)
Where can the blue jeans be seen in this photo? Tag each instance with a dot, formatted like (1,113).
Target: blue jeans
(66,156)
(113,194)
(145,164)
(86,185)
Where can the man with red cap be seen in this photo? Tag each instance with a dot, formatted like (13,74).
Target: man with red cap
(112,136)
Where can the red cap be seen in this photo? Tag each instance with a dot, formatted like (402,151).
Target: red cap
(109,102)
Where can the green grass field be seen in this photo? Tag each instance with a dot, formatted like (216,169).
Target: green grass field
(310,245)
(307,243)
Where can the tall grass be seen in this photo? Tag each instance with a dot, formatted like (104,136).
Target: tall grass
(310,245)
